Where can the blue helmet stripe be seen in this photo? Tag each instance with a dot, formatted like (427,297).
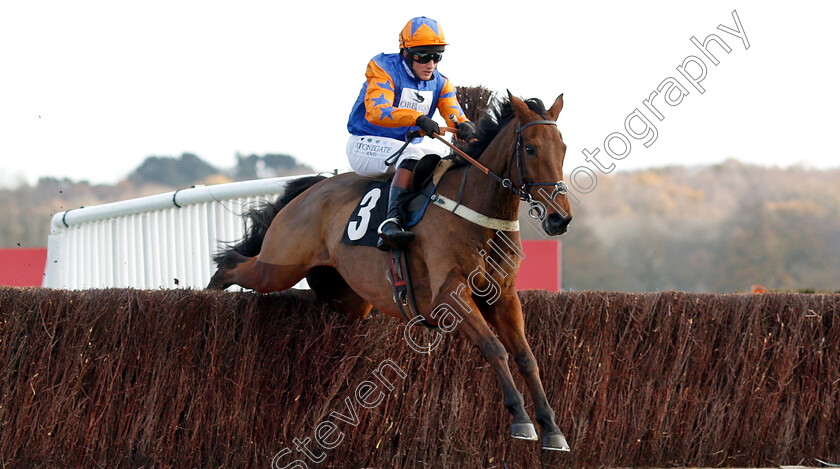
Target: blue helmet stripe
(420,21)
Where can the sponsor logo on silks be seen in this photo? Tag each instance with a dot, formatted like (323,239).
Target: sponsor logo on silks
(416,100)
(372,149)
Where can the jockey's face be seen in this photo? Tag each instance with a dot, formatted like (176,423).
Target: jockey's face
(424,61)
(424,71)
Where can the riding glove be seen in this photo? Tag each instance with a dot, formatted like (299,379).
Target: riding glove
(428,126)
(466,131)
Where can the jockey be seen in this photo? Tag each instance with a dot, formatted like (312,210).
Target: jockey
(400,94)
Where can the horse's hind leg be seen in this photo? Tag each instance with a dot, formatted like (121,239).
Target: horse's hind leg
(249,272)
(222,279)
(506,317)
(330,287)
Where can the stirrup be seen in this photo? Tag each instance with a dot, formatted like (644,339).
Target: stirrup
(397,239)
(395,220)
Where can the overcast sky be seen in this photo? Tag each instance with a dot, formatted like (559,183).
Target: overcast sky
(90,89)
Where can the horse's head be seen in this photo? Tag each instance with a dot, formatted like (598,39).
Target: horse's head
(536,166)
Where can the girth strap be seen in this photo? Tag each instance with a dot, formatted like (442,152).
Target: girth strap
(473,216)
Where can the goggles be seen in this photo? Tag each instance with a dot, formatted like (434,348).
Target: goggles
(425,56)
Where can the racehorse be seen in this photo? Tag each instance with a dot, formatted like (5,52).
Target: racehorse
(521,152)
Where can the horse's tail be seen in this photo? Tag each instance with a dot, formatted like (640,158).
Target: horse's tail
(258,219)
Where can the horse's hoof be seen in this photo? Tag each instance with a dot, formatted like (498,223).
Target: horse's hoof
(524,431)
(555,442)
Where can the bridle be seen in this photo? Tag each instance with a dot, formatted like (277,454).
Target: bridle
(536,209)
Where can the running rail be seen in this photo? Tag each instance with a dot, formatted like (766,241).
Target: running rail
(160,241)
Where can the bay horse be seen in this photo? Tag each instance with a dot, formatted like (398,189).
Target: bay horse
(299,236)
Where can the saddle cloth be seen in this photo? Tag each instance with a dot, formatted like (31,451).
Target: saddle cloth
(373,207)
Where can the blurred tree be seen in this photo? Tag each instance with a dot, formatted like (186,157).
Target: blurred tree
(172,172)
(784,246)
(270,165)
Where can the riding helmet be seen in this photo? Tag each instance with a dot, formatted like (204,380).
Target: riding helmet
(421,31)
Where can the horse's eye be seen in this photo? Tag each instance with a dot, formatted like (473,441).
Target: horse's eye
(530,150)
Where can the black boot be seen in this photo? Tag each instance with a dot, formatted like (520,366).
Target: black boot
(391,232)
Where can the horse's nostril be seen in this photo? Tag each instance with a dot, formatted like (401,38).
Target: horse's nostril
(555,224)
(558,221)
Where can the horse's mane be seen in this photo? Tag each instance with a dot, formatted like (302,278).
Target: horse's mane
(497,116)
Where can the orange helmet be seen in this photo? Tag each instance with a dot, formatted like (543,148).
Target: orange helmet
(421,31)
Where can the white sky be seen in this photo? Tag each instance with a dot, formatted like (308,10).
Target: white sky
(89,89)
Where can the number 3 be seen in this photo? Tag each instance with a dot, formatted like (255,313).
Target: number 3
(357,229)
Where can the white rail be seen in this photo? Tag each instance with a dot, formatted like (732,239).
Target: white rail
(161,241)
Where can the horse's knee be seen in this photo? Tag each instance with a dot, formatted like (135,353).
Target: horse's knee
(527,364)
(493,350)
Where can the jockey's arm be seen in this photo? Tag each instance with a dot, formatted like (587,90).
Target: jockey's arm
(379,100)
(448,106)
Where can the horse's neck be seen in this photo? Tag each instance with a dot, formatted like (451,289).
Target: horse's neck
(483,193)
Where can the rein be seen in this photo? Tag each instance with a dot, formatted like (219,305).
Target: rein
(536,209)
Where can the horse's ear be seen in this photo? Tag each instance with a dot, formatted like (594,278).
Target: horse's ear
(520,108)
(555,108)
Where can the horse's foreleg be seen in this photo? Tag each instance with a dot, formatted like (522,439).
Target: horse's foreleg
(479,333)
(506,317)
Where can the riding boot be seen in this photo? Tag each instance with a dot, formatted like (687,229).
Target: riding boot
(391,232)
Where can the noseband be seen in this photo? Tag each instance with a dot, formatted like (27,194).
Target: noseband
(536,209)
